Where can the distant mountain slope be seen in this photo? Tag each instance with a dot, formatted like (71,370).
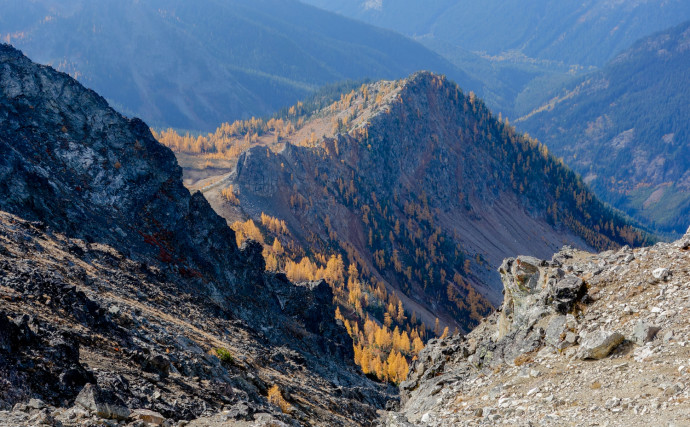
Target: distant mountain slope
(588,32)
(192,65)
(519,50)
(626,129)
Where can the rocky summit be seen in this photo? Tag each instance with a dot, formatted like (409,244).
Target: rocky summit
(125,299)
(582,339)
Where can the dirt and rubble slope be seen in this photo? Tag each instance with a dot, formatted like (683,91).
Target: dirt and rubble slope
(582,339)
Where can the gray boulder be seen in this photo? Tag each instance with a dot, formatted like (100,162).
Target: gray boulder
(660,273)
(566,292)
(644,332)
(102,403)
(599,344)
(555,331)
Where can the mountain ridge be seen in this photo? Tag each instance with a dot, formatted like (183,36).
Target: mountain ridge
(519,53)
(414,184)
(541,31)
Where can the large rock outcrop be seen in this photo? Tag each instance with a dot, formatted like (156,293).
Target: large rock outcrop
(580,339)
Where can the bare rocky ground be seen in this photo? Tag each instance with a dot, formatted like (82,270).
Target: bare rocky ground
(581,340)
(75,316)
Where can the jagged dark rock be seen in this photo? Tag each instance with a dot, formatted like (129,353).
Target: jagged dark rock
(70,161)
(115,279)
(566,292)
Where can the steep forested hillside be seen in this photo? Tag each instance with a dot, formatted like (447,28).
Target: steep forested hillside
(192,65)
(406,195)
(626,129)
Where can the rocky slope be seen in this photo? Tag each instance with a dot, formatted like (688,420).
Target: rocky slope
(120,292)
(581,339)
(624,128)
(463,188)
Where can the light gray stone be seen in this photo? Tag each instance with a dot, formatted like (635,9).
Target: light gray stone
(660,273)
(148,416)
(101,404)
(571,338)
(36,404)
(599,344)
(554,330)
(644,332)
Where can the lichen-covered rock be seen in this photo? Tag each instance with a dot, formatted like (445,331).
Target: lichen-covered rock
(522,283)
(534,289)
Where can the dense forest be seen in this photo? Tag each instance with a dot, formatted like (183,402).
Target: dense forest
(387,337)
(625,129)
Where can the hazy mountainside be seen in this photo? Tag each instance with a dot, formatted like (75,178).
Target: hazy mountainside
(584,33)
(192,65)
(581,339)
(625,129)
(418,187)
(119,290)
(519,51)
(512,84)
